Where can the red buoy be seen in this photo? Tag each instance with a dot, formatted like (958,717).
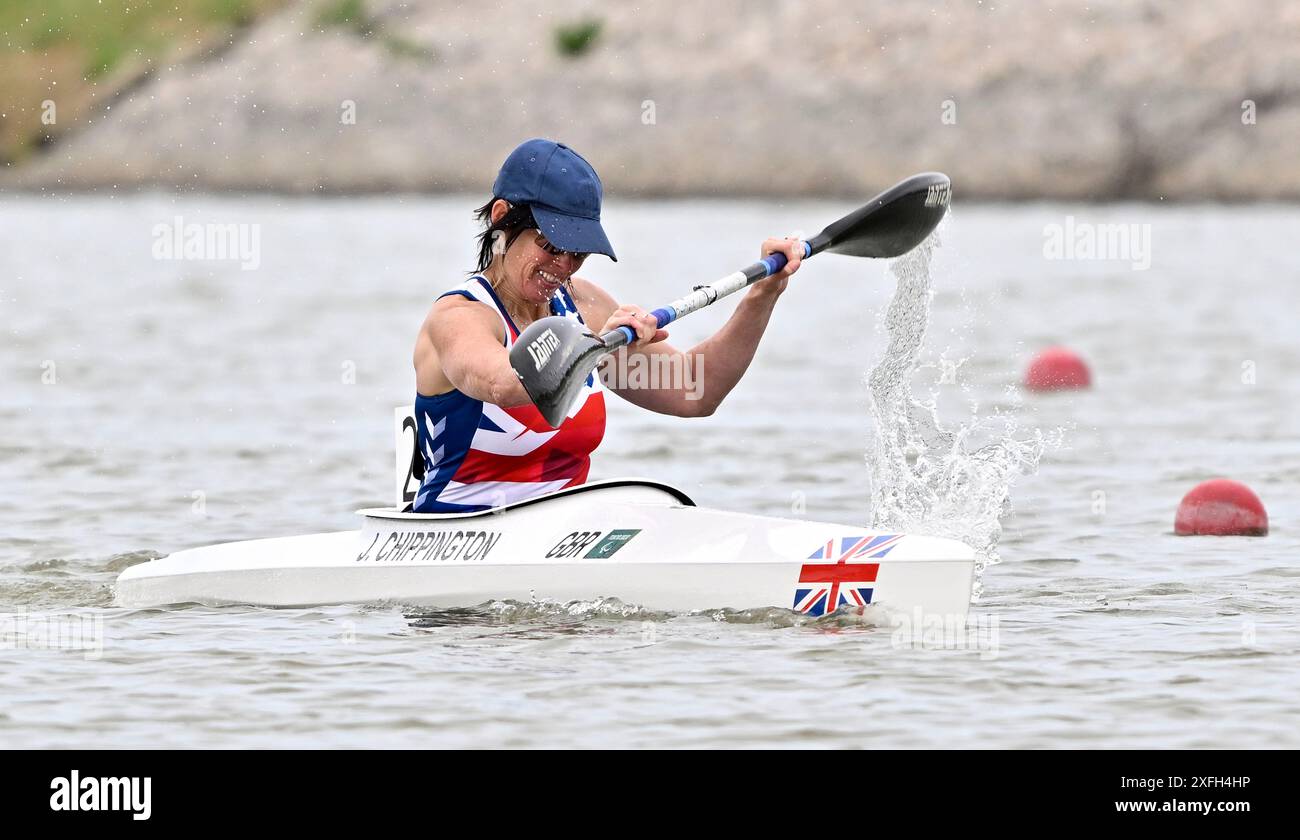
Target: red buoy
(1223,508)
(1057,368)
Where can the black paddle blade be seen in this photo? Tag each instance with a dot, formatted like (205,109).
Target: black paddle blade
(553,358)
(892,223)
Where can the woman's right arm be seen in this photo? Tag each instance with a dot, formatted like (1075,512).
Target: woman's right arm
(461,346)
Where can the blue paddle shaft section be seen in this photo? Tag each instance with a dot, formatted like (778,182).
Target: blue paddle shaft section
(664,315)
(628,333)
(770,265)
(775,262)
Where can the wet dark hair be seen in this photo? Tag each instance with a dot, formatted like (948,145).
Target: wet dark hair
(517,219)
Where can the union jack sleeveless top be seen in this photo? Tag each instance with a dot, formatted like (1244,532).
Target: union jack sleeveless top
(478,456)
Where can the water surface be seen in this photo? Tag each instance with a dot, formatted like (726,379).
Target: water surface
(154,405)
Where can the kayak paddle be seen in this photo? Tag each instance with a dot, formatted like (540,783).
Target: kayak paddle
(554,356)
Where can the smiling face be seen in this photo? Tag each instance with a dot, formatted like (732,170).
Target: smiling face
(534,273)
(528,270)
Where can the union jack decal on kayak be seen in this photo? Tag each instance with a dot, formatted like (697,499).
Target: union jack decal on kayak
(825,587)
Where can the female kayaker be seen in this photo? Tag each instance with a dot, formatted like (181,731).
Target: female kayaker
(483,442)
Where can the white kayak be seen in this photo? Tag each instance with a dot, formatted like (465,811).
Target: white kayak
(640,541)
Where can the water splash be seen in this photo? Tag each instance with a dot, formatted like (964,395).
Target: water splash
(538,610)
(927,478)
(873,615)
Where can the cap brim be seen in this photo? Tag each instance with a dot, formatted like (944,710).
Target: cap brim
(573,233)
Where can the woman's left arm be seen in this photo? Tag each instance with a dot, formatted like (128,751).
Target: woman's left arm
(661,378)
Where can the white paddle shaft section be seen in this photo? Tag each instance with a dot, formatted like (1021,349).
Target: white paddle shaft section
(703,296)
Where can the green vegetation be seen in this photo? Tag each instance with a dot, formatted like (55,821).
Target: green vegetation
(75,51)
(574,39)
(406,48)
(351,15)
(107,53)
(27,25)
(346,14)
(44,37)
(233,12)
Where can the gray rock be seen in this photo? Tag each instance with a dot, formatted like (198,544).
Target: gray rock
(1103,100)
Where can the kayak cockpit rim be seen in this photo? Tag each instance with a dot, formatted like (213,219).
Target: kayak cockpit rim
(393,513)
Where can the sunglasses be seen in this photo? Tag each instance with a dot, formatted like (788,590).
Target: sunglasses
(545,244)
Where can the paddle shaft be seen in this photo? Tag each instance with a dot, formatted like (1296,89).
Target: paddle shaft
(554,356)
(703,296)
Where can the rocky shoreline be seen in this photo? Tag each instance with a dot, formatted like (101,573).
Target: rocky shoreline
(1099,101)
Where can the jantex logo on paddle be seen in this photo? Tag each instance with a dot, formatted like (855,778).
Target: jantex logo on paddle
(938,195)
(102,793)
(542,347)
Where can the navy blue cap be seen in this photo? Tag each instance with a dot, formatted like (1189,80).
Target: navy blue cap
(563,191)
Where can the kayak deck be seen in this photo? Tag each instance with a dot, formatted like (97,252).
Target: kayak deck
(641,541)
